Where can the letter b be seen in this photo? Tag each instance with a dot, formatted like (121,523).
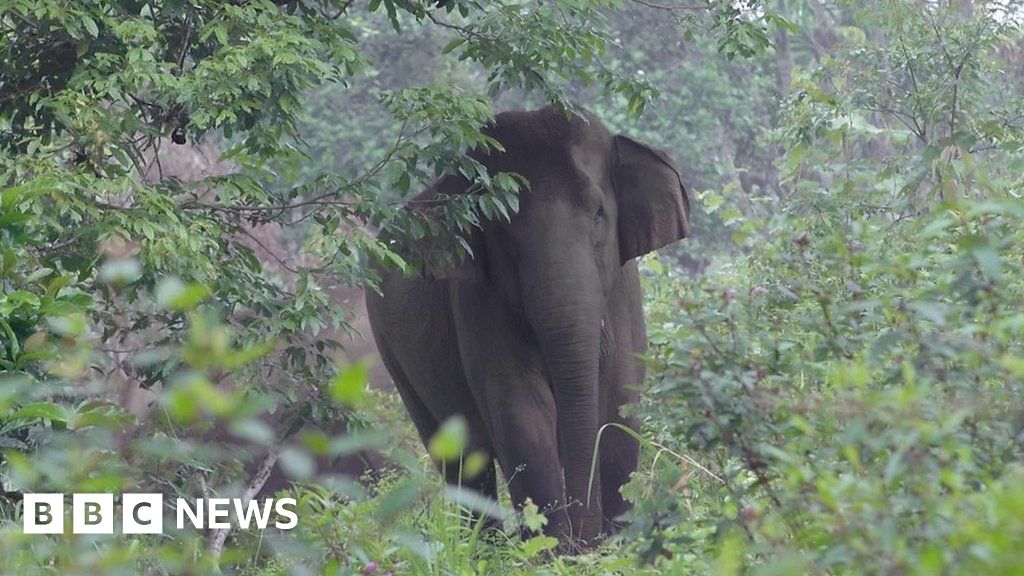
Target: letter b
(92,514)
(43,514)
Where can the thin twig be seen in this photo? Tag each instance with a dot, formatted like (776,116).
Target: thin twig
(220,535)
(656,6)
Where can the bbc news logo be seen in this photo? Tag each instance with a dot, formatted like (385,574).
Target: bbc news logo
(144,513)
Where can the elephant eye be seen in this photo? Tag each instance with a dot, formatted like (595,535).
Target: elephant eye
(599,216)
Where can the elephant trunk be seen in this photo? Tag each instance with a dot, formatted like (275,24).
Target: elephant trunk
(566,317)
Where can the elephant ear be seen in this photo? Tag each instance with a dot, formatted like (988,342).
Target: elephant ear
(653,207)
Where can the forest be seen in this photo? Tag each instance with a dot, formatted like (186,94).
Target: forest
(198,198)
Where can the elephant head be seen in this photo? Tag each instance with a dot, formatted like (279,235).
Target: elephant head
(594,202)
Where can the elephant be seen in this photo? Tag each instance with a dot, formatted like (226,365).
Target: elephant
(535,338)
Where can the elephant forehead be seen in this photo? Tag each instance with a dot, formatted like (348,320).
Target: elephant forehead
(548,131)
(563,157)
(563,178)
(577,176)
(568,174)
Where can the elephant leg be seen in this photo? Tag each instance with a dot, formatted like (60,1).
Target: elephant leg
(424,421)
(526,441)
(506,372)
(622,372)
(619,456)
(485,482)
(619,451)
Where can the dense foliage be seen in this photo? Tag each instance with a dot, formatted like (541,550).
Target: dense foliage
(845,397)
(836,365)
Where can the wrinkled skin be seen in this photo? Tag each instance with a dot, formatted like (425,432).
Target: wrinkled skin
(535,339)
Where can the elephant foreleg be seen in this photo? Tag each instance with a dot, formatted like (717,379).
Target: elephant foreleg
(429,411)
(622,372)
(619,455)
(505,370)
(526,442)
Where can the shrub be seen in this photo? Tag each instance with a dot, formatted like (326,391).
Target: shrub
(855,392)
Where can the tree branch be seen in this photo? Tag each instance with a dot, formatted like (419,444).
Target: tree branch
(667,8)
(219,536)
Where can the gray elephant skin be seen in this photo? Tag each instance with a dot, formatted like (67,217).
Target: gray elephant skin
(535,339)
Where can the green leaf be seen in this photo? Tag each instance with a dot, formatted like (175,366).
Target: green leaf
(297,463)
(90,25)
(173,294)
(120,272)
(220,30)
(989,262)
(398,499)
(532,517)
(253,430)
(42,410)
(450,440)
(538,544)
(476,502)
(70,325)
(348,387)
(19,300)
(38,275)
(449,47)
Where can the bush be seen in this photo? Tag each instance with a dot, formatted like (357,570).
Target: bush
(854,392)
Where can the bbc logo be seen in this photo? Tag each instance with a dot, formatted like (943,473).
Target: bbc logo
(93,514)
(144,513)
